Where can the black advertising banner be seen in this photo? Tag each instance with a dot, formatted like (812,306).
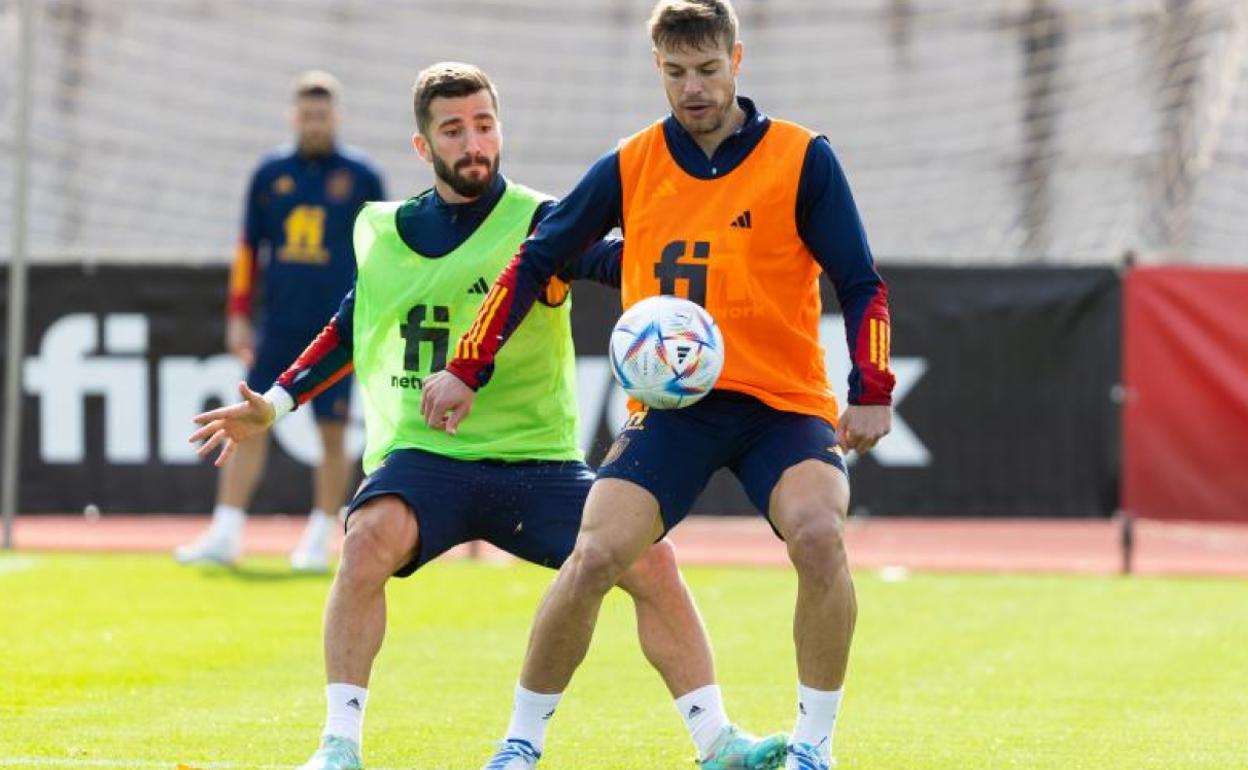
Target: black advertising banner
(1003,401)
(1006,380)
(1003,404)
(118,359)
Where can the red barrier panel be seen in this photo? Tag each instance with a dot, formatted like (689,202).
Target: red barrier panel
(1185,424)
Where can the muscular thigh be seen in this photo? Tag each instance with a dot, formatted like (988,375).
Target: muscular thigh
(671,453)
(809,493)
(439,491)
(383,531)
(539,511)
(784,441)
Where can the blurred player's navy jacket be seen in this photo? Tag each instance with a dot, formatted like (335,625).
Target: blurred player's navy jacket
(295,250)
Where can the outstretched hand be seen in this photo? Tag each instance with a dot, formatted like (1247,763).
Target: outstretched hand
(228,425)
(862,426)
(445,401)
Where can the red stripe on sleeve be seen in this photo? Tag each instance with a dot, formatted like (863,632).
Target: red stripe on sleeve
(474,355)
(327,383)
(872,352)
(242,280)
(300,378)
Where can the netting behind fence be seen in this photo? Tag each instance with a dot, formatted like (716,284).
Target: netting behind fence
(982,131)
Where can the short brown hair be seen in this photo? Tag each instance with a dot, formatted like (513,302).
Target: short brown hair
(685,24)
(447,79)
(316,84)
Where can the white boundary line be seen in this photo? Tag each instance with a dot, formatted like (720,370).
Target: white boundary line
(139,763)
(11,564)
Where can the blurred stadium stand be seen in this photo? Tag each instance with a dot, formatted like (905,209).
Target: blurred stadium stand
(973,131)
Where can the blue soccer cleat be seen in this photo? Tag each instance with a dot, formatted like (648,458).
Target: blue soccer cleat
(809,756)
(737,750)
(334,754)
(514,754)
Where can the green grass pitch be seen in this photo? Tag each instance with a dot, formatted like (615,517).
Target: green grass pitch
(120,661)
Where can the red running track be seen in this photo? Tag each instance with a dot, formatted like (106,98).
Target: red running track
(946,545)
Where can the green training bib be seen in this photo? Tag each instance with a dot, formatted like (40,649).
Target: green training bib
(411,310)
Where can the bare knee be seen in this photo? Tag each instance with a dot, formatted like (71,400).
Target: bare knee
(655,572)
(381,538)
(815,540)
(594,567)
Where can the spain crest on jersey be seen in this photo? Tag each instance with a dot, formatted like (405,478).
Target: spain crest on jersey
(339,186)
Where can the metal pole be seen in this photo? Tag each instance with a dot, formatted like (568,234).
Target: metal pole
(1127,541)
(15,347)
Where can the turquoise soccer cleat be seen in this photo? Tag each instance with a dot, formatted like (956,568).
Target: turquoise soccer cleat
(808,756)
(334,754)
(514,754)
(737,750)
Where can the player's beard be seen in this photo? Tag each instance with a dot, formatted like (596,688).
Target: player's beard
(469,188)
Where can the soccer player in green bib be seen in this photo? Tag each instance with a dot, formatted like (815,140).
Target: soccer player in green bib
(514,476)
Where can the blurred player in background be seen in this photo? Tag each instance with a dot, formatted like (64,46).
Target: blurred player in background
(739,212)
(295,253)
(515,477)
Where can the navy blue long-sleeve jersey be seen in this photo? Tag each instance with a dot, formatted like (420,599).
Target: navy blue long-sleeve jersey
(294,258)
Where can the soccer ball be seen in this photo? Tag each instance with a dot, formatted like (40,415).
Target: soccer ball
(666,352)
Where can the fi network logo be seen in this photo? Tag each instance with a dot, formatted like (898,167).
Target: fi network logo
(82,356)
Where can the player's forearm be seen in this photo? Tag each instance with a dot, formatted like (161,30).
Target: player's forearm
(508,302)
(868,333)
(322,363)
(572,226)
(238,306)
(863,297)
(239,300)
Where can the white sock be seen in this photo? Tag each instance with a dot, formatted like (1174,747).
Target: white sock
(344,716)
(228,519)
(531,715)
(703,712)
(317,526)
(816,717)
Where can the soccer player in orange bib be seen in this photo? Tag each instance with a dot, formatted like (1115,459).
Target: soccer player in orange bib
(738,212)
